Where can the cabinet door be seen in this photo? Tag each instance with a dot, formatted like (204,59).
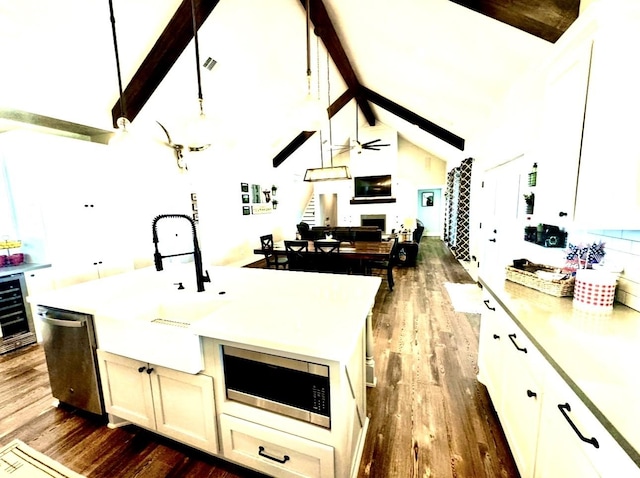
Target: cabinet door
(608,195)
(126,389)
(37,281)
(560,141)
(490,348)
(521,396)
(572,442)
(185,407)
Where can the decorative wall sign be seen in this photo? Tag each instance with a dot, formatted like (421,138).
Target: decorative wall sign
(261,209)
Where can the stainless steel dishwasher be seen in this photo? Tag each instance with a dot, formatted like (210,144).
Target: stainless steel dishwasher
(70,350)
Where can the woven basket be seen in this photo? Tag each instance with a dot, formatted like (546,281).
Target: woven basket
(527,277)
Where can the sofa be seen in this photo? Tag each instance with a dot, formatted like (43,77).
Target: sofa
(346,233)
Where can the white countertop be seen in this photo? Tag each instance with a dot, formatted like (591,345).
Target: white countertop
(597,354)
(311,314)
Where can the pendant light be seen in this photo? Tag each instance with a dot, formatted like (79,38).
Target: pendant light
(199,130)
(122,123)
(312,111)
(331,173)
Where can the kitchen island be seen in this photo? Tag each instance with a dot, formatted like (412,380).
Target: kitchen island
(160,352)
(562,380)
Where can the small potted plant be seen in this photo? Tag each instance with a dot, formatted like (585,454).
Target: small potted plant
(529,199)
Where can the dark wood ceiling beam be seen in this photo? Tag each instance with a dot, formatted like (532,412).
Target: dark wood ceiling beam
(413,118)
(289,149)
(327,33)
(166,51)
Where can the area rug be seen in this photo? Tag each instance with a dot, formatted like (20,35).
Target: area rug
(465,297)
(18,460)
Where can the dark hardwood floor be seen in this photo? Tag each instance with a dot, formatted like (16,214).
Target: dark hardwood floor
(429,416)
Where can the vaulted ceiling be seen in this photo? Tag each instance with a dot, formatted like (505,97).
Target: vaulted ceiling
(431,69)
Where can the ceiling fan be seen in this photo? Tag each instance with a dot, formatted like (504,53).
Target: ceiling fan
(373,145)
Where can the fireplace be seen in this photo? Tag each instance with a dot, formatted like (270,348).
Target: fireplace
(378,220)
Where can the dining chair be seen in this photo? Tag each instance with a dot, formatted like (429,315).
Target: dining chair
(273,260)
(387,264)
(327,257)
(298,255)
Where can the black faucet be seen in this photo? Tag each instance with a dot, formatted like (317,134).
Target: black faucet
(201,277)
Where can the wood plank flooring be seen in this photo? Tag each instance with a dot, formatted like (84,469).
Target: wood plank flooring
(429,417)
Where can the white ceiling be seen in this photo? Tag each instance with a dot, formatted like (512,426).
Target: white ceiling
(442,61)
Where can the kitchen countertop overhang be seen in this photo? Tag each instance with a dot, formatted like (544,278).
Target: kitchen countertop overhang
(311,314)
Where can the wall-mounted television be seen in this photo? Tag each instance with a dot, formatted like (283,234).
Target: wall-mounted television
(372,186)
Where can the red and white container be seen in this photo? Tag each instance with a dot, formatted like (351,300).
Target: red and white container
(594,290)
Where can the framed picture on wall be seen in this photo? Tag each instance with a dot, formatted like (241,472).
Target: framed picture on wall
(246,210)
(256,194)
(245,199)
(244,187)
(427,199)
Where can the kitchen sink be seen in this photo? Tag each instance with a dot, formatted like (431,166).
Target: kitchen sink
(154,327)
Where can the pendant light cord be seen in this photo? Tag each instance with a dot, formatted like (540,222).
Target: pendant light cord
(328,106)
(195,38)
(115,47)
(308,49)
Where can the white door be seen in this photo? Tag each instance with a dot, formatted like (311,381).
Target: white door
(430,211)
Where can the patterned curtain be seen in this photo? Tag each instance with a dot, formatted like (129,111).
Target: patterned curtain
(448,210)
(458,206)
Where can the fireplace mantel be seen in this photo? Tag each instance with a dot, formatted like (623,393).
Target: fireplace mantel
(372,200)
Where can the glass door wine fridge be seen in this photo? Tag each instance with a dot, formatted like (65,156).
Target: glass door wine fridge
(16,323)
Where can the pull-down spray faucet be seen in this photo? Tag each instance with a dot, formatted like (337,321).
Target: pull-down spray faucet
(201,277)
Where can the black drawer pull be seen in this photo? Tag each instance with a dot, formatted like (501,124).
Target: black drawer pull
(279,460)
(492,240)
(486,302)
(512,337)
(531,394)
(567,407)
(496,337)
(141,369)
(149,370)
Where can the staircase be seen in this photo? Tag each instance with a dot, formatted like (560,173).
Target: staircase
(309,214)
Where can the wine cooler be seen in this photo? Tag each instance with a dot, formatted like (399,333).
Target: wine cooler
(16,323)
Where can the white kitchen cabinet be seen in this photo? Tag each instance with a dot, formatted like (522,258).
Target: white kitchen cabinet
(37,281)
(176,404)
(71,205)
(274,452)
(608,195)
(521,397)
(559,145)
(573,442)
(491,348)
(509,365)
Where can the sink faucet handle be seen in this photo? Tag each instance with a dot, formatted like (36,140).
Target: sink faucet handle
(205,277)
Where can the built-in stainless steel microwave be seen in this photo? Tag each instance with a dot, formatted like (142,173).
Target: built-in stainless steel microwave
(290,387)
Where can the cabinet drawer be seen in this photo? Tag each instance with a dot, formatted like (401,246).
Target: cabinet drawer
(274,452)
(596,444)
